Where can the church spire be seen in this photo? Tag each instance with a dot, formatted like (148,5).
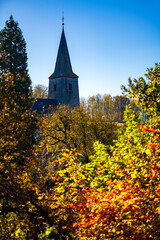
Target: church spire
(63,66)
(62,20)
(63,83)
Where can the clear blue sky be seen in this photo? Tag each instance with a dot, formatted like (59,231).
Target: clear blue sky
(108,40)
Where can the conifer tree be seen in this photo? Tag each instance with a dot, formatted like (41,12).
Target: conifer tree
(13,56)
(17,128)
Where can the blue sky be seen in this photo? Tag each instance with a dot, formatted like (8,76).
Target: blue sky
(108,40)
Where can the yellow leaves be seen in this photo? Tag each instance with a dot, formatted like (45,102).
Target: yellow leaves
(43,196)
(136,206)
(158,210)
(40,196)
(126,157)
(6,114)
(152,149)
(148,152)
(36,188)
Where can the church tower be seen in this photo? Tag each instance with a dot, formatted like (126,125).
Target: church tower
(63,83)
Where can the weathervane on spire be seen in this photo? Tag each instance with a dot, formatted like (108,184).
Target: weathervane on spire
(63,19)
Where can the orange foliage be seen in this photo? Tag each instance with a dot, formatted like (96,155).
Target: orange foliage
(120,213)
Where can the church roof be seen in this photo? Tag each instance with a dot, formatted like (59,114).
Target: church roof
(63,66)
(42,106)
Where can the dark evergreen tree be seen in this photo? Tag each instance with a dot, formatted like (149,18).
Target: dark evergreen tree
(12,48)
(13,56)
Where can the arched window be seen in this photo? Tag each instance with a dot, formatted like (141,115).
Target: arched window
(70,86)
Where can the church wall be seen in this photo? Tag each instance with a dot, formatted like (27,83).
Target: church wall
(64,90)
(72,92)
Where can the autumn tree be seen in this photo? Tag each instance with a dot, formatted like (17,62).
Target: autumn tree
(111,107)
(17,126)
(120,103)
(67,128)
(114,195)
(40,91)
(123,200)
(26,204)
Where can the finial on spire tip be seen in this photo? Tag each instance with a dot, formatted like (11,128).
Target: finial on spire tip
(63,19)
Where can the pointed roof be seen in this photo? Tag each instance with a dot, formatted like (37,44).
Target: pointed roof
(63,66)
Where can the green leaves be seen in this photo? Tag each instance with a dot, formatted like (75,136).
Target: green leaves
(146,92)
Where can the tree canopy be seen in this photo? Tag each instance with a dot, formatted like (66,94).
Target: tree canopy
(67,128)
(116,195)
(111,107)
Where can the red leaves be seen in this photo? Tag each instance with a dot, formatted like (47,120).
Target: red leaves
(101,211)
(144,128)
(120,211)
(35,187)
(153,146)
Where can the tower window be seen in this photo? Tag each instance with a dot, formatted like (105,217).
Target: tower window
(70,86)
(55,87)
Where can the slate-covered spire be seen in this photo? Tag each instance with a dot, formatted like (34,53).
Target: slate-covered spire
(63,66)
